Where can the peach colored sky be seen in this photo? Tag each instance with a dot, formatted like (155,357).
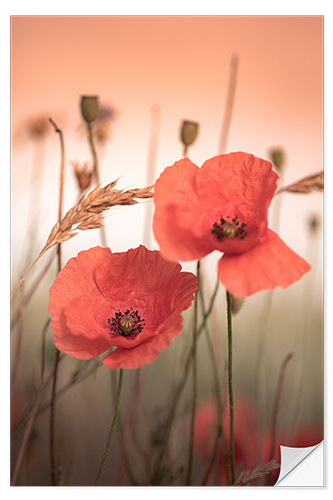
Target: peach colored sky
(182,64)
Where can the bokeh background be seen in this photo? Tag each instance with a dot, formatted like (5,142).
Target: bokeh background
(161,70)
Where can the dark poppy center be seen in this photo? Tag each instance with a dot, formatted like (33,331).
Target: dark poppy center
(226,228)
(128,324)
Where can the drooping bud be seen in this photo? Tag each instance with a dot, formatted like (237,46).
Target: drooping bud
(89,107)
(278,158)
(236,304)
(314,223)
(189,132)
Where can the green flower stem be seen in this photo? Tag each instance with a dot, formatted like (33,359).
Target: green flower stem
(194,386)
(217,385)
(123,446)
(185,151)
(96,173)
(178,393)
(231,397)
(94,153)
(113,424)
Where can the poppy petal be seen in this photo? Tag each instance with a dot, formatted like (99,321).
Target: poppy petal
(80,332)
(267,265)
(237,182)
(179,216)
(76,278)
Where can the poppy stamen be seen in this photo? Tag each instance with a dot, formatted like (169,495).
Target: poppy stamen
(128,324)
(225,229)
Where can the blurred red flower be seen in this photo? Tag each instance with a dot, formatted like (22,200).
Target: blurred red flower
(245,435)
(252,446)
(131,300)
(223,206)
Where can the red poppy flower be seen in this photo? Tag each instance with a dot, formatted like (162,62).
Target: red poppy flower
(131,300)
(223,206)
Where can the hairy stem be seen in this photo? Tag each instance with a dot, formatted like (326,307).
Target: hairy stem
(170,418)
(56,363)
(52,422)
(229,104)
(277,403)
(113,424)
(194,385)
(96,172)
(27,430)
(28,295)
(151,168)
(217,385)
(19,338)
(20,283)
(231,396)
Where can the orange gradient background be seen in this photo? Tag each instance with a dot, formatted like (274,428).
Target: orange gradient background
(182,65)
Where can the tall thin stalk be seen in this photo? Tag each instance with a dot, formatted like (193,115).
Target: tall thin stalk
(113,424)
(229,104)
(29,294)
(35,195)
(30,420)
(151,167)
(217,385)
(96,173)
(56,362)
(172,413)
(276,405)
(261,368)
(231,396)
(194,384)
(19,338)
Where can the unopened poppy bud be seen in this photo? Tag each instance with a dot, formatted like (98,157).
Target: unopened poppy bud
(278,158)
(89,107)
(236,304)
(189,132)
(314,223)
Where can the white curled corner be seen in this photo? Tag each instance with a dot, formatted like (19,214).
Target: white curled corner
(302,466)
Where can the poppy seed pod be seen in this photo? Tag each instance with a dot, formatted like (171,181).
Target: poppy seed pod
(189,132)
(89,107)
(277,157)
